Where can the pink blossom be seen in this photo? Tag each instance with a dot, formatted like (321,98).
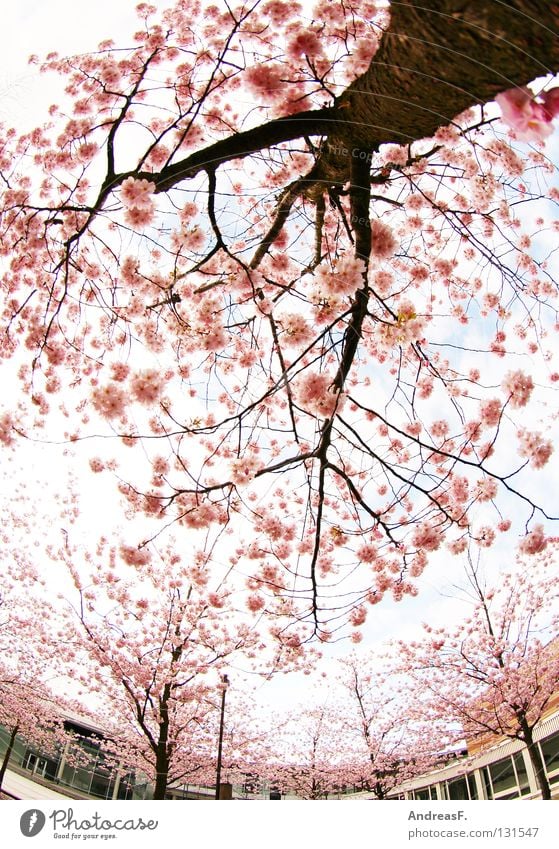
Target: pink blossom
(134,556)
(534,542)
(147,386)
(109,401)
(255,602)
(367,553)
(314,393)
(305,43)
(358,616)
(383,242)
(139,216)
(535,447)
(243,469)
(486,489)
(427,537)
(518,386)
(215,600)
(490,412)
(137,193)
(530,120)
(296,329)
(266,81)
(6,429)
(485,536)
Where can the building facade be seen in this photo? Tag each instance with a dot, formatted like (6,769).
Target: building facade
(499,771)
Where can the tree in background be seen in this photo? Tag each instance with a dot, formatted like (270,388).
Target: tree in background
(387,746)
(496,673)
(268,250)
(28,707)
(307,757)
(148,641)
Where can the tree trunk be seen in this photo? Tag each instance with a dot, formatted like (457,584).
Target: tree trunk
(437,59)
(537,763)
(162,770)
(8,754)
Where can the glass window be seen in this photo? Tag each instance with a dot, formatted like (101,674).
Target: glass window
(488,790)
(422,794)
(458,788)
(472,785)
(100,784)
(520,766)
(502,776)
(550,752)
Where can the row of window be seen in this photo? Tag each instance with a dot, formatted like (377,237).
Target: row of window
(94,778)
(507,778)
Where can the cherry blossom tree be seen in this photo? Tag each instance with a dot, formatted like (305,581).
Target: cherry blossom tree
(307,758)
(388,746)
(497,671)
(148,641)
(28,707)
(271,252)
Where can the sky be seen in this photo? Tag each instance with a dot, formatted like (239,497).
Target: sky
(68,26)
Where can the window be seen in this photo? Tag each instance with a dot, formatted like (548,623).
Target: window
(458,788)
(505,778)
(472,786)
(550,752)
(520,767)
(426,792)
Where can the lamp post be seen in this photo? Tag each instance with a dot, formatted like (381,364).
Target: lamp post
(225,683)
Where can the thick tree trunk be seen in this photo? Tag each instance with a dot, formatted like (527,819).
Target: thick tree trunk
(537,763)
(437,59)
(162,771)
(8,754)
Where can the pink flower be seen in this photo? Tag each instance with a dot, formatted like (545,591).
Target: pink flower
(304,44)
(134,556)
(358,616)
(530,120)
(109,401)
(535,447)
(138,216)
(533,542)
(367,553)
(266,81)
(427,537)
(244,468)
(314,393)
(137,193)
(255,602)
(215,600)
(296,329)
(490,412)
(383,242)
(518,387)
(146,386)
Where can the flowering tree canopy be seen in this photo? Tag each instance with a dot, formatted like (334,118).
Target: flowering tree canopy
(497,672)
(147,642)
(272,248)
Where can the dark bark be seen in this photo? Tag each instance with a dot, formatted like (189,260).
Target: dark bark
(161,764)
(436,60)
(162,754)
(8,754)
(536,760)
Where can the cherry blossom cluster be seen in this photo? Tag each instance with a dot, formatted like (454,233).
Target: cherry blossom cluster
(529,116)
